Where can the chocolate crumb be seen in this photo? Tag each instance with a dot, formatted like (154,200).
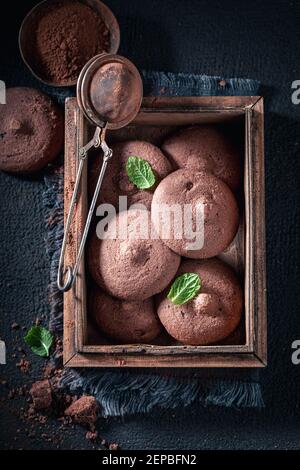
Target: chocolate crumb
(91,435)
(42,419)
(15,326)
(84,411)
(24,366)
(41,394)
(114,446)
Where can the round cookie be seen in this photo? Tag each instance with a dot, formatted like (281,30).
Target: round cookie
(121,320)
(213,314)
(116,182)
(205,148)
(31,130)
(131,265)
(187,190)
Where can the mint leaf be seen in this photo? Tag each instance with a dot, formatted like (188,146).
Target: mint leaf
(184,288)
(39,340)
(140,173)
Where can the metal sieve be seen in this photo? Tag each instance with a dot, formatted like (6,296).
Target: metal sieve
(109,93)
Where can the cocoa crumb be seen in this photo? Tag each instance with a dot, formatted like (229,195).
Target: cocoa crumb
(42,419)
(15,326)
(91,435)
(24,366)
(21,350)
(41,394)
(114,446)
(84,411)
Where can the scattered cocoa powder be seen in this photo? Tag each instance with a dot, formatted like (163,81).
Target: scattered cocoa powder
(68,34)
(49,370)
(45,401)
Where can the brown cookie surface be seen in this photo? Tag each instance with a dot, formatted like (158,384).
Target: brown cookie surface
(125,321)
(213,314)
(205,148)
(187,191)
(116,182)
(131,265)
(31,130)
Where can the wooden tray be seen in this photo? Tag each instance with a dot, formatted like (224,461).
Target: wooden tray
(159,116)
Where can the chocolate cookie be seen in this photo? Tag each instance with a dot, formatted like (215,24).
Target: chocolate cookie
(205,148)
(188,192)
(128,322)
(31,130)
(131,265)
(213,314)
(116,182)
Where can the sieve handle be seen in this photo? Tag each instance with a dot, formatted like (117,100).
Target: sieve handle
(66,275)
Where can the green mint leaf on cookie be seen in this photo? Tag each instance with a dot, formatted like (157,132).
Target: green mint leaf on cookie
(140,173)
(39,340)
(184,288)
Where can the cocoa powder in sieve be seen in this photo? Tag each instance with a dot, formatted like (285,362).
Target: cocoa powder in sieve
(67,34)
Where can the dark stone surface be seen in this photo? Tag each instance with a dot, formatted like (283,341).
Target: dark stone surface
(229,38)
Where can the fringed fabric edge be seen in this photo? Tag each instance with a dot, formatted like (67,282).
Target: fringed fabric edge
(121,394)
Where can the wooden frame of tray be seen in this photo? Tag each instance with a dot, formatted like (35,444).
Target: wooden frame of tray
(248,249)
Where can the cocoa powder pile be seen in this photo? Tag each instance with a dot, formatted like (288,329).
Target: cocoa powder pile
(67,34)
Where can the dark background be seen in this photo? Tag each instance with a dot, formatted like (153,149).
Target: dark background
(254,39)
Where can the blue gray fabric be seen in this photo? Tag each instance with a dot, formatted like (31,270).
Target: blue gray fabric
(181,84)
(134,390)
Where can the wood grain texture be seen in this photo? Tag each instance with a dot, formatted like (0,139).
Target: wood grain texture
(199,360)
(259,236)
(246,254)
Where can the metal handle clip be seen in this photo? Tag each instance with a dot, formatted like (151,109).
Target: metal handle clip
(67,275)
